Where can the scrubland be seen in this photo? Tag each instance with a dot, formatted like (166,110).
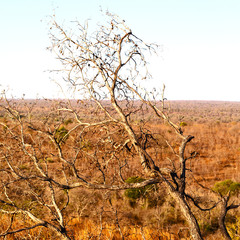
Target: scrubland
(149,213)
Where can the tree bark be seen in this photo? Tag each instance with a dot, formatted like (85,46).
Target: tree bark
(190,218)
(221,221)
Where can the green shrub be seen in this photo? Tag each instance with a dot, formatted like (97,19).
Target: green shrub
(61,135)
(183,124)
(23,167)
(50,160)
(134,194)
(227,186)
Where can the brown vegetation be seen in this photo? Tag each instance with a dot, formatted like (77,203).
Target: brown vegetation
(121,162)
(90,213)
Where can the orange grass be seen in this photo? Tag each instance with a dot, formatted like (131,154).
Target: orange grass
(216,127)
(85,229)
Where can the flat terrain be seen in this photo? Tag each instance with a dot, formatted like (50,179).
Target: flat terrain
(215,126)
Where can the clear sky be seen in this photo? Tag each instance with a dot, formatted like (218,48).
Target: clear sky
(200,38)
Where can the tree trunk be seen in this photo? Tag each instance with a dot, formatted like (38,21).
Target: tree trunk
(61,234)
(221,221)
(190,218)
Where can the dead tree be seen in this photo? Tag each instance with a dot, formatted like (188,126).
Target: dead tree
(110,65)
(106,69)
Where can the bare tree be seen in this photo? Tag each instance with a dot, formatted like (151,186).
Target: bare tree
(110,65)
(106,69)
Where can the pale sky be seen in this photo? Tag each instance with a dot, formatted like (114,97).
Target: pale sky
(200,38)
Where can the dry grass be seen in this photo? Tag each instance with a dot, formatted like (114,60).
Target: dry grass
(216,127)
